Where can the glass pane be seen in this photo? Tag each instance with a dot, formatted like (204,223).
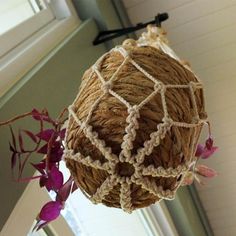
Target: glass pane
(13,12)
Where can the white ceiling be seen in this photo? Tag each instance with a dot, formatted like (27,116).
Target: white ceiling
(204,33)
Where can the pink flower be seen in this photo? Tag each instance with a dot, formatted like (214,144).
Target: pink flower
(206,151)
(205,171)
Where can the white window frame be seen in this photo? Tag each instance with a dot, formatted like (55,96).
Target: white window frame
(10,39)
(17,61)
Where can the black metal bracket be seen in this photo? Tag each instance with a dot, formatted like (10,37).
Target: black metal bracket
(106,35)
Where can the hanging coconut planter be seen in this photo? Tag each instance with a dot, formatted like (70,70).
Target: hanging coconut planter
(134,125)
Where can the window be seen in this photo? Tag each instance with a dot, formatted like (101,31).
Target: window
(19,19)
(29,29)
(13,12)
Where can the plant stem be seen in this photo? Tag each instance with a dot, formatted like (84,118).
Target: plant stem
(15,118)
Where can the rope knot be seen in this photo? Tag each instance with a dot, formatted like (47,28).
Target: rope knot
(167,121)
(107,86)
(159,87)
(122,51)
(84,126)
(129,43)
(195,120)
(132,110)
(195,85)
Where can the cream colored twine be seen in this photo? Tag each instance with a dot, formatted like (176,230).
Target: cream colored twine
(141,172)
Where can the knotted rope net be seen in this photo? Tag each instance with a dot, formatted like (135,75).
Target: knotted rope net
(134,125)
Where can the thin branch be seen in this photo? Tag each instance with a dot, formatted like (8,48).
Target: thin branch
(15,118)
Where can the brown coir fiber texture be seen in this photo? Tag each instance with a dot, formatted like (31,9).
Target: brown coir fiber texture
(109,121)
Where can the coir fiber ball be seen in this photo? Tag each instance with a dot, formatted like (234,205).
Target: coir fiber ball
(134,126)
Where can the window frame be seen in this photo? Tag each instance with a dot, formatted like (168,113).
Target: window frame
(16,35)
(23,57)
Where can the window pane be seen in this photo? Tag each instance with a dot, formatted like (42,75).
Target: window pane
(13,12)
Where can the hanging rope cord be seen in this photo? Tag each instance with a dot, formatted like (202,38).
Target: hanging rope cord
(130,134)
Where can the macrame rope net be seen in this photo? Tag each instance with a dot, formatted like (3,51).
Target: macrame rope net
(109,176)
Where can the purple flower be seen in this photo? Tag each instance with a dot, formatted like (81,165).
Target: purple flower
(48,142)
(62,133)
(200,150)
(53,180)
(41,166)
(56,151)
(46,134)
(206,151)
(48,213)
(67,188)
(41,116)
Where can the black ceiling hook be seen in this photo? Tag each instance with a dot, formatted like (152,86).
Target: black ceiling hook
(160,17)
(106,35)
